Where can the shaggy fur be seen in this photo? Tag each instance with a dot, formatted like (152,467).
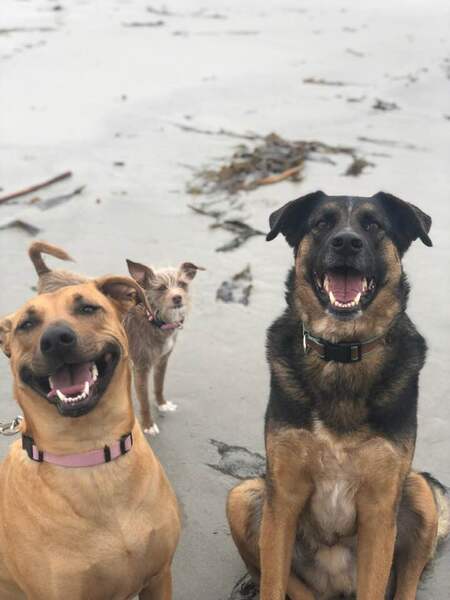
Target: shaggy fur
(152,341)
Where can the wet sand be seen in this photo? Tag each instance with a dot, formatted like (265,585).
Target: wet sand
(84,88)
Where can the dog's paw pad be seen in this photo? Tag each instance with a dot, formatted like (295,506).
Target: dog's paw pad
(167,407)
(153,430)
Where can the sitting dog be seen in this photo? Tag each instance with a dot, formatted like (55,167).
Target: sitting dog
(86,508)
(152,334)
(340,511)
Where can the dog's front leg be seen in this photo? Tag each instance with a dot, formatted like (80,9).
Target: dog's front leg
(159,588)
(377,530)
(288,489)
(159,375)
(141,384)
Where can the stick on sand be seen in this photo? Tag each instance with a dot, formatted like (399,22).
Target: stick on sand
(36,187)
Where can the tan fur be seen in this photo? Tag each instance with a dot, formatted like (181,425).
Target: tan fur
(108,531)
(375,320)
(50,281)
(318,479)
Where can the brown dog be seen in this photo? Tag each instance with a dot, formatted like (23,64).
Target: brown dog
(86,509)
(48,279)
(152,335)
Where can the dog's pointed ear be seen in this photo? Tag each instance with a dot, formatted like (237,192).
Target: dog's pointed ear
(124,292)
(291,218)
(407,221)
(140,273)
(5,334)
(189,270)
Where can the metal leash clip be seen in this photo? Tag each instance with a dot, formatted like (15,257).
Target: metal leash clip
(11,427)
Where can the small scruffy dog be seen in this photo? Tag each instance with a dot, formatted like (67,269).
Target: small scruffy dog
(152,336)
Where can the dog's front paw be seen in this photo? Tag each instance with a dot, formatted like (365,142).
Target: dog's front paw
(153,430)
(167,407)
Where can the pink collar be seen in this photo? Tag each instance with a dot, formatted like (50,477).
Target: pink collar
(91,458)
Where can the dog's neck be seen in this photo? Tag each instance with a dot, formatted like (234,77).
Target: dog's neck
(107,422)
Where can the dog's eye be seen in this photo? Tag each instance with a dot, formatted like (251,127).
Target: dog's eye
(26,325)
(322,224)
(89,309)
(183,285)
(162,288)
(372,226)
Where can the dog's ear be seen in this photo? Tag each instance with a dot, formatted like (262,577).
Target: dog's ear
(5,334)
(290,219)
(124,292)
(140,273)
(407,221)
(189,270)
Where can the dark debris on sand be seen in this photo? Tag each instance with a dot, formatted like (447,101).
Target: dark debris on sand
(238,462)
(357,167)
(238,288)
(270,161)
(244,589)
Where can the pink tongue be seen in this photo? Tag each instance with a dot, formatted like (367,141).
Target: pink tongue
(345,286)
(70,379)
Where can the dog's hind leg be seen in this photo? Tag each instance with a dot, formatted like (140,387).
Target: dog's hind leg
(141,375)
(159,375)
(417,535)
(244,512)
(159,588)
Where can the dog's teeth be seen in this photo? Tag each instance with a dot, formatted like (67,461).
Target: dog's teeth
(357,299)
(61,396)
(86,389)
(94,372)
(326,283)
(332,298)
(364,284)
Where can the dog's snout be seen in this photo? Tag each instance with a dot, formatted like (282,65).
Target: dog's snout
(57,339)
(347,243)
(177,300)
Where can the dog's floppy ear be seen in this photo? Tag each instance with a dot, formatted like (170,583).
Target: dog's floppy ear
(190,270)
(140,273)
(5,334)
(291,218)
(407,221)
(124,292)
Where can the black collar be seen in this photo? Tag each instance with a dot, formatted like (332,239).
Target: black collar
(342,352)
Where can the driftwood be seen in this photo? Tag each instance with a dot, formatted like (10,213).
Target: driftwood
(36,187)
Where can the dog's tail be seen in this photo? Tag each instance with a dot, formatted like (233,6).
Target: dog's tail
(441,497)
(36,250)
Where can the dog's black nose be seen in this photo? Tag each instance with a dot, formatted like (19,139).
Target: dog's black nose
(177,300)
(347,243)
(58,339)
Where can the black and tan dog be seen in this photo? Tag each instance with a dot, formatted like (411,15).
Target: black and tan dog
(86,508)
(340,511)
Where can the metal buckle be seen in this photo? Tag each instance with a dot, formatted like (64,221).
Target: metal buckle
(305,346)
(355,352)
(11,427)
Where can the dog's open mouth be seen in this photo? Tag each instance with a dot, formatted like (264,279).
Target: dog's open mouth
(75,388)
(345,289)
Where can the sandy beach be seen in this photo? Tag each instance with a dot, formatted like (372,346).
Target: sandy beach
(136,99)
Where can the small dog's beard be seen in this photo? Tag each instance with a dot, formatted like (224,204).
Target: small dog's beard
(172,315)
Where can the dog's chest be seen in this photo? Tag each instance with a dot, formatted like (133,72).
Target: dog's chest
(168,344)
(332,505)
